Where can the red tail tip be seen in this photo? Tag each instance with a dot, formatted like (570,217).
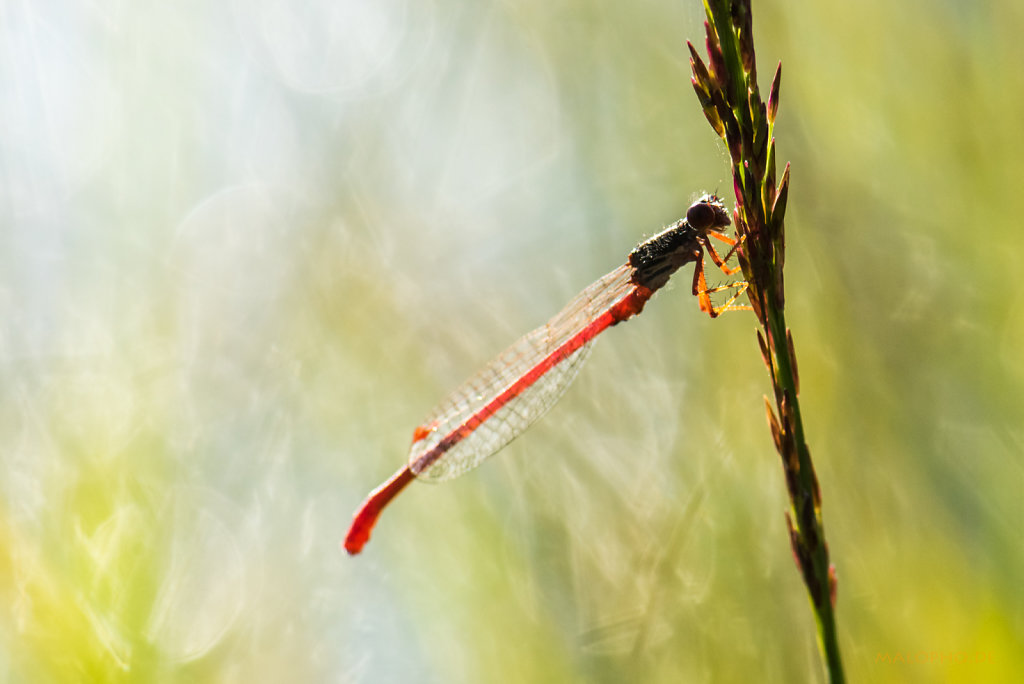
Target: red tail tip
(354,543)
(359,532)
(366,517)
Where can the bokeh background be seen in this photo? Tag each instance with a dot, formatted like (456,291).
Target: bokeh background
(247,245)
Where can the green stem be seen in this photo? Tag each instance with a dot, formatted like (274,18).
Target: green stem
(807,517)
(729,95)
(718,15)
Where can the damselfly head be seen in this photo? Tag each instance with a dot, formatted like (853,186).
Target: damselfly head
(708,213)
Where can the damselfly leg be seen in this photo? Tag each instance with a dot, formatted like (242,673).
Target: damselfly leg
(700,286)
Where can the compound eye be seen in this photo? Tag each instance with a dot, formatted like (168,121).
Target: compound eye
(700,215)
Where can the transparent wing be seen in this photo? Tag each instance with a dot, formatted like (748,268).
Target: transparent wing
(497,404)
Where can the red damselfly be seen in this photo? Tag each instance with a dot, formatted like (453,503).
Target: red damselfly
(497,404)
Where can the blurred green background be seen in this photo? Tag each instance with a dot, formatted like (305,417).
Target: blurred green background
(247,245)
